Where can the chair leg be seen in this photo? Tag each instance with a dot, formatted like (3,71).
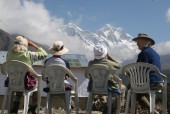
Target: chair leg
(152,102)
(39,94)
(26,102)
(67,97)
(49,103)
(133,103)
(47,107)
(39,101)
(118,104)
(89,103)
(127,102)
(164,100)
(4,101)
(77,106)
(9,101)
(109,103)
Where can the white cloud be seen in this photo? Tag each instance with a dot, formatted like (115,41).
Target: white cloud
(78,20)
(168,15)
(29,19)
(33,20)
(163,48)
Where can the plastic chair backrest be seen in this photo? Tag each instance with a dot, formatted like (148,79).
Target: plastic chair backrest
(16,71)
(55,75)
(99,74)
(139,76)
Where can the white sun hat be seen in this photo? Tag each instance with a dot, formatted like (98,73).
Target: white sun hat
(100,51)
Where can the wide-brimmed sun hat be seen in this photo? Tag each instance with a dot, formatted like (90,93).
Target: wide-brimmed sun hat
(21,40)
(145,37)
(100,51)
(58,48)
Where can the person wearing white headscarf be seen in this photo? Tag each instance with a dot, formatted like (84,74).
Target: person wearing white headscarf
(101,56)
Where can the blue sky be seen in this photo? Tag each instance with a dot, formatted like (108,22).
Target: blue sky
(134,16)
(39,19)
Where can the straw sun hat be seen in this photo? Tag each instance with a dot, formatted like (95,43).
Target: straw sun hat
(58,48)
(145,37)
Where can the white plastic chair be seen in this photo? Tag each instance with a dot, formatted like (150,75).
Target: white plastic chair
(140,83)
(56,74)
(100,74)
(16,71)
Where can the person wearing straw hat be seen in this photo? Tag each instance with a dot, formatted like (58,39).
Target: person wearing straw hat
(20,52)
(57,51)
(148,55)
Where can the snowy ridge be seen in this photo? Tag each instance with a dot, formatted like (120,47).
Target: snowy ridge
(112,37)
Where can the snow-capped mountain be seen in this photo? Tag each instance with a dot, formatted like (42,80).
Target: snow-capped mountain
(118,42)
(112,37)
(108,35)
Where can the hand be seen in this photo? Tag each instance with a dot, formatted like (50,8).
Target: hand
(119,84)
(126,73)
(32,44)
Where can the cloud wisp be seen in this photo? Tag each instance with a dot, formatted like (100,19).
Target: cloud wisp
(33,20)
(30,19)
(168,15)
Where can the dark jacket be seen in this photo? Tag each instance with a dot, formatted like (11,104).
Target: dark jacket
(149,55)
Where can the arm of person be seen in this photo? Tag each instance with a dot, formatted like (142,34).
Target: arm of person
(32,44)
(116,65)
(40,54)
(111,58)
(143,57)
(87,75)
(115,77)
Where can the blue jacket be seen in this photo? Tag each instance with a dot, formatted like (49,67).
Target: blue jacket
(149,55)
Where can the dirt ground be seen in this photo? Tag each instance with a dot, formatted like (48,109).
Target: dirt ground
(59,112)
(82,110)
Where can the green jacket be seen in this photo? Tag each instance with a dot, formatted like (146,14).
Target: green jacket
(113,65)
(27,57)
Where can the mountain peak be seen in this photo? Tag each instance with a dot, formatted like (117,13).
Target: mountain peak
(72,25)
(107,27)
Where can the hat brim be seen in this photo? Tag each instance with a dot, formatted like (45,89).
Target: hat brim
(145,38)
(61,52)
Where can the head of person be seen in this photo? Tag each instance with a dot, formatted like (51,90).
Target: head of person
(20,44)
(100,51)
(58,48)
(143,40)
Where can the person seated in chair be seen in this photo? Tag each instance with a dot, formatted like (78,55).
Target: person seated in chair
(148,55)
(101,56)
(21,53)
(57,51)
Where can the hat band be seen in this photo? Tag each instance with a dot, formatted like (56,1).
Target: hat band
(19,43)
(99,54)
(58,49)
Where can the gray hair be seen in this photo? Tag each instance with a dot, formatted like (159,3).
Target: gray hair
(19,47)
(148,43)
